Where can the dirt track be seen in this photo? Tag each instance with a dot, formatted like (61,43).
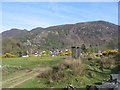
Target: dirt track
(29,77)
(15,77)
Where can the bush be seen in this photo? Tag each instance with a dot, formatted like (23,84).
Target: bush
(8,55)
(45,55)
(107,62)
(110,52)
(46,74)
(31,55)
(64,53)
(98,55)
(73,67)
(70,64)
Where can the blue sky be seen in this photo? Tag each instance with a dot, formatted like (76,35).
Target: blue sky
(29,15)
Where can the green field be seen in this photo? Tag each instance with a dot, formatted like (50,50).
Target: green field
(15,67)
(18,69)
(31,62)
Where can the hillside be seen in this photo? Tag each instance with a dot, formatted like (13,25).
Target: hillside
(100,34)
(13,32)
(10,45)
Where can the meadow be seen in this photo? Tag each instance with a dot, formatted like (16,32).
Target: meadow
(54,72)
(17,69)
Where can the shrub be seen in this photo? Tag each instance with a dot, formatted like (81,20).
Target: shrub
(73,67)
(110,52)
(70,63)
(88,55)
(98,55)
(31,55)
(8,55)
(64,53)
(45,55)
(107,62)
(46,74)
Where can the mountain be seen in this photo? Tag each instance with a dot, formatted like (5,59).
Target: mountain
(100,34)
(13,32)
(10,45)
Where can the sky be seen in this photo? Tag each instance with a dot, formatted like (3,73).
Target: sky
(29,15)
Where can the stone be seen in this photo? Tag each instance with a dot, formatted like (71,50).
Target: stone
(78,80)
(112,84)
(115,76)
(71,87)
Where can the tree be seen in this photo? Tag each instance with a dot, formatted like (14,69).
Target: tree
(20,54)
(83,47)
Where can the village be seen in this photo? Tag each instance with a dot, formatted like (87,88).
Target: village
(51,52)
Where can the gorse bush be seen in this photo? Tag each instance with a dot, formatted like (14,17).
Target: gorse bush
(44,55)
(64,53)
(98,55)
(31,55)
(8,55)
(110,52)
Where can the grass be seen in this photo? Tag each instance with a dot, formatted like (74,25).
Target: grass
(11,75)
(31,62)
(92,75)
(32,84)
(13,64)
(63,83)
(61,74)
(16,66)
(17,80)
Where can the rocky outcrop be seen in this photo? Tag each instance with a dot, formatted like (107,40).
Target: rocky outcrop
(111,84)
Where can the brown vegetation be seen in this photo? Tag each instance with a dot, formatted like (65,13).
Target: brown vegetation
(73,67)
(107,61)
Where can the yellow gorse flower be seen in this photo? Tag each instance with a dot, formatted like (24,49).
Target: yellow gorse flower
(31,55)
(109,52)
(64,53)
(45,55)
(8,55)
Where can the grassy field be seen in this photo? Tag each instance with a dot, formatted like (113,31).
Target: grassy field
(31,62)
(63,83)
(95,78)
(14,67)
(19,69)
